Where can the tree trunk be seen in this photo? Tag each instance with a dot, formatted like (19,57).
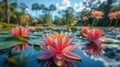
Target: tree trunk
(7,11)
(36,13)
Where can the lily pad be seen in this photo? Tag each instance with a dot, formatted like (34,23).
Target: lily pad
(37,47)
(111,41)
(5,36)
(10,42)
(5,32)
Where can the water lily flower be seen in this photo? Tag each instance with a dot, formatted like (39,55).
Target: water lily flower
(50,27)
(96,42)
(17,48)
(94,49)
(31,28)
(94,35)
(35,21)
(41,27)
(97,14)
(20,31)
(84,29)
(25,46)
(74,22)
(27,18)
(112,15)
(85,18)
(58,48)
(117,14)
(21,47)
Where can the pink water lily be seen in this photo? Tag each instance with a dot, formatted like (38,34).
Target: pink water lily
(94,35)
(20,31)
(84,29)
(96,40)
(22,47)
(58,47)
(94,49)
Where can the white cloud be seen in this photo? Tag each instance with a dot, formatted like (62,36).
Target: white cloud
(102,1)
(64,4)
(27,10)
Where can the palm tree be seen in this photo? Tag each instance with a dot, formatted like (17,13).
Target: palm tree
(52,8)
(36,7)
(7,11)
(43,8)
(23,6)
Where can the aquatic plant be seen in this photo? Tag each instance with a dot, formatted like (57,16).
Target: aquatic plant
(35,21)
(97,15)
(21,47)
(114,15)
(85,18)
(20,31)
(58,48)
(96,42)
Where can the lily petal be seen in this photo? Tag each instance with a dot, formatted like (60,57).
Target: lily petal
(58,62)
(74,47)
(46,55)
(67,49)
(72,56)
(43,46)
(59,56)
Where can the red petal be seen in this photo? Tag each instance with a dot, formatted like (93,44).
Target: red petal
(67,49)
(59,56)
(69,42)
(51,49)
(74,47)
(46,55)
(43,46)
(72,55)
(58,62)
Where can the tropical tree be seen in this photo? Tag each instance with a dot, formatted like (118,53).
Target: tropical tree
(68,14)
(52,8)
(7,13)
(36,7)
(22,6)
(42,7)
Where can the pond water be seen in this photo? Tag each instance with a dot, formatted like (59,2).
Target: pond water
(110,57)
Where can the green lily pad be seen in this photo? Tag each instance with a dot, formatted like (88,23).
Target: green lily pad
(10,42)
(35,41)
(111,41)
(37,47)
(5,32)
(5,35)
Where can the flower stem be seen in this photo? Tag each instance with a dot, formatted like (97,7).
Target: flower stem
(93,22)
(84,23)
(110,22)
(116,22)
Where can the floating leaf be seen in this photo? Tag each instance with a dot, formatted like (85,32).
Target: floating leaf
(9,42)
(37,47)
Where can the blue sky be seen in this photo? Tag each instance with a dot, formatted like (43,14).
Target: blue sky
(60,4)
(66,3)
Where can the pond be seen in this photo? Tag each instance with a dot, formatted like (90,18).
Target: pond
(28,57)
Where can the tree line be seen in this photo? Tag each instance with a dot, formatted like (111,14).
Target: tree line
(13,12)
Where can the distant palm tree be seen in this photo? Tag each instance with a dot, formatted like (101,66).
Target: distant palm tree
(23,6)
(7,11)
(43,8)
(52,8)
(13,6)
(36,7)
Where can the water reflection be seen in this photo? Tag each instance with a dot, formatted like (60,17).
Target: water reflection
(67,63)
(109,57)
